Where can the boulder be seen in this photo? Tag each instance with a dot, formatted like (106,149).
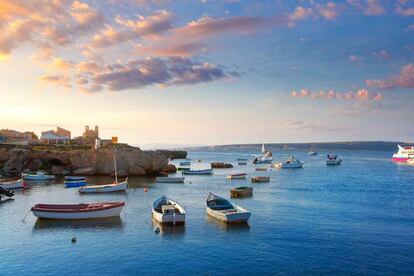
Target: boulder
(17,161)
(34,164)
(136,170)
(170,169)
(58,170)
(85,171)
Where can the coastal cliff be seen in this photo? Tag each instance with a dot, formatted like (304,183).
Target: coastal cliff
(82,160)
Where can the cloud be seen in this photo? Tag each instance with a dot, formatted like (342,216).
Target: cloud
(93,77)
(329,11)
(178,50)
(368,7)
(361,94)
(381,54)
(354,58)
(405,79)
(409,11)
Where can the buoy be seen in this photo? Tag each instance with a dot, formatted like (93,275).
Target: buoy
(145,189)
(156,230)
(73,240)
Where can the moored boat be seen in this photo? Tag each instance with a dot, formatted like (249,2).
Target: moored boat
(225,211)
(242,159)
(168,179)
(312,153)
(16,184)
(198,172)
(290,163)
(261,169)
(75,178)
(242,191)
(185,163)
(168,211)
(74,183)
(78,211)
(403,154)
(260,178)
(38,176)
(236,176)
(179,169)
(333,159)
(266,158)
(105,188)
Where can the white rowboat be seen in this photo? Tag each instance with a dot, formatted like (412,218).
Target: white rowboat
(198,172)
(38,176)
(225,211)
(290,163)
(168,211)
(237,176)
(17,184)
(106,188)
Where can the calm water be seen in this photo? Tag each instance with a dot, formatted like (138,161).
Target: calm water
(354,218)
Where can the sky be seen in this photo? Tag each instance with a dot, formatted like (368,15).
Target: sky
(195,72)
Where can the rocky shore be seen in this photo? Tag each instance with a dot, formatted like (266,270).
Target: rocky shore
(84,160)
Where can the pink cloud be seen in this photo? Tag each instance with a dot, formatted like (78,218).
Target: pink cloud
(405,79)
(354,58)
(361,94)
(374,8)
(405,11)
(381,54)
(329,11)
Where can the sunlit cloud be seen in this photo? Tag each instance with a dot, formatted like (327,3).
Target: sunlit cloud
(361,94)
(405,79)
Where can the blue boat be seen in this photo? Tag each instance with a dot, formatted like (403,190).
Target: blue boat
(74,184)
(198,172)
(75,178)
(185,163)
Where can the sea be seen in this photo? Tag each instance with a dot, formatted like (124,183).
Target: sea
(356,218)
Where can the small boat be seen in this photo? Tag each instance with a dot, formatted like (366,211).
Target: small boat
(16,184)
(105,188)
(265,159)
(312,153)
(5,192)
(225,211)
(241,159)
(242,163)
(290,163)
(168,211)
(198,172)
(75,178)
(167,179)
(38,176)
(261,169)
(236,176)
(333,159)
(180,169)
(185,163)
(241,191)
(74,183)
(78,211)
(403,154)
(260,178)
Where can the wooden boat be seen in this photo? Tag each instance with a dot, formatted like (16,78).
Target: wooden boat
(225,211)
(38,176)
(236,176)
(333,159)
(168,211)
(75,178)
(17,184)
(241,191)
(163,179)
(78,211)
(261,169)
(75,183)
(198,172)
(105,188)
(260,178)
(185,163)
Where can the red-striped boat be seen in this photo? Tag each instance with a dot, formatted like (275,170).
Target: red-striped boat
(78,211)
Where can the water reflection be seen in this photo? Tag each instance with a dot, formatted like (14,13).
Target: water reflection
(104,223)
(232,227)
(171,230)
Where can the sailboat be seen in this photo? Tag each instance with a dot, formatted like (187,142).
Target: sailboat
(106,188)
(266,158)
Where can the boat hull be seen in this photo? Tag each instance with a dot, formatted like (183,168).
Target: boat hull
(75,178)
(236,217)
(173,219)
(400,159)
(38,177)
(169,179)
(236,176)
(104,188)
(112,212)
(260,179)
(199,172)
(237,192)
(18,184)
(74,184)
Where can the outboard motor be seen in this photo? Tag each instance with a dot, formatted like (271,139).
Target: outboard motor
(5,192)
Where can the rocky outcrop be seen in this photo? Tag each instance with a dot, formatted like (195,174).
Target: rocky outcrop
(170,169)
(130,161)
(174,154)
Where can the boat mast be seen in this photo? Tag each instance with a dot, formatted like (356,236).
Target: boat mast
(116,174)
